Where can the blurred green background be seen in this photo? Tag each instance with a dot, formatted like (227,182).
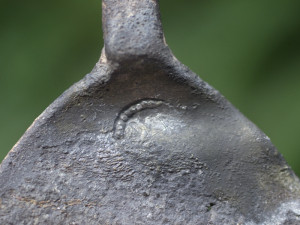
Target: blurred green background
(248,50)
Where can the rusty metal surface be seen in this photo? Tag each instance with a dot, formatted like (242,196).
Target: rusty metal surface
(143,140)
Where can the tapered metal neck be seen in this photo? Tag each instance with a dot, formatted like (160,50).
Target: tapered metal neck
(132,28)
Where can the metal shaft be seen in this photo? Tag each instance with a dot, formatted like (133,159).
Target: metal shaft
(132,28)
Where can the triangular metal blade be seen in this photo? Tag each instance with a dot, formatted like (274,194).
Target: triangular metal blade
(143,140)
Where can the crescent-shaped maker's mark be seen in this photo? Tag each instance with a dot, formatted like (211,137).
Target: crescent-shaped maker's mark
(129,111)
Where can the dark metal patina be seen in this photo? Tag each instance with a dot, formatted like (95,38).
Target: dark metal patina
(143,140)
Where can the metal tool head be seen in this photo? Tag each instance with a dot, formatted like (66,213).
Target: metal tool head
(143,140)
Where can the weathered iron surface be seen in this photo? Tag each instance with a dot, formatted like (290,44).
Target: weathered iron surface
(143,140)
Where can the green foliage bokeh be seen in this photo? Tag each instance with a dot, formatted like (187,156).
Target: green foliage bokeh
(248,50)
